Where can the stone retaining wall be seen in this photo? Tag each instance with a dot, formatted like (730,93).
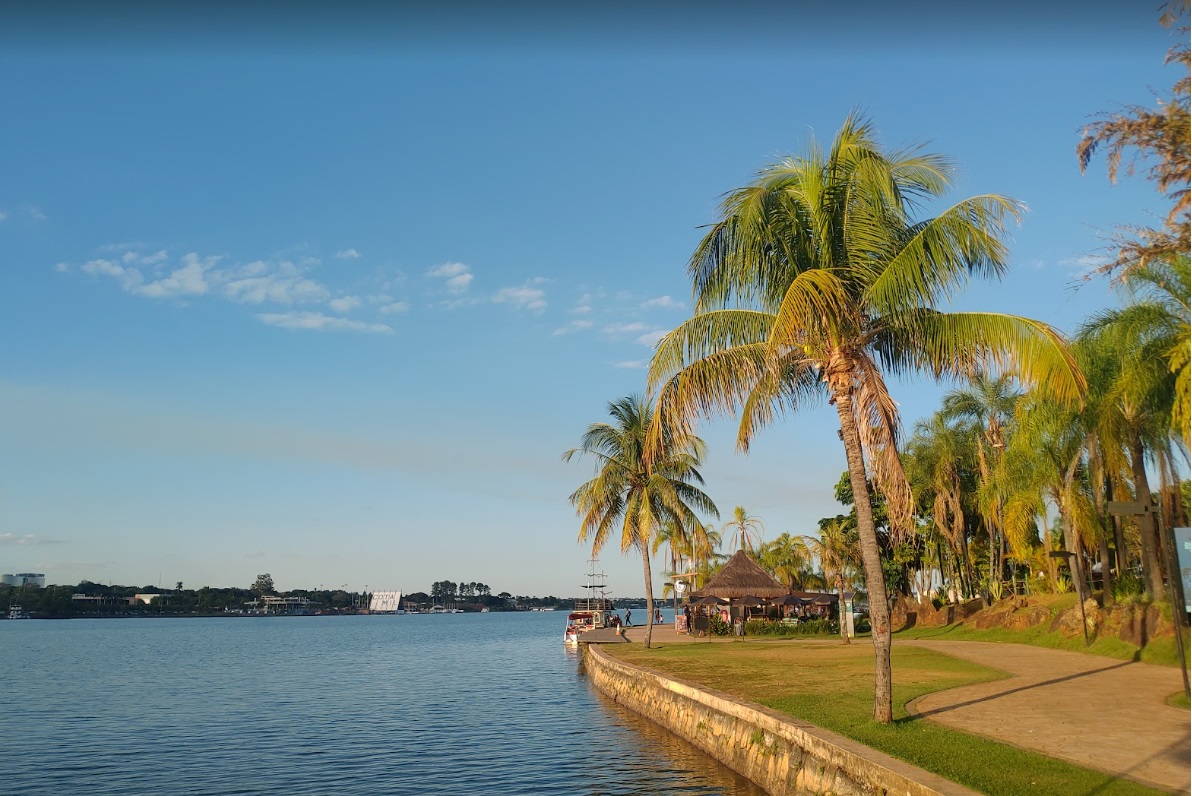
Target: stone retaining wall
(781,754)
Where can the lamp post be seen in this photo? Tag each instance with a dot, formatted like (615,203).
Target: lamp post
(1134,508)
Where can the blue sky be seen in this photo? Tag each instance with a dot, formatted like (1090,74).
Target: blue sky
(327,294)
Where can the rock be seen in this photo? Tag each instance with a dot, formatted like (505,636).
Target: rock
(1092,616)
(1069,623)
(1156,624)
(1133,626)
(1021,620)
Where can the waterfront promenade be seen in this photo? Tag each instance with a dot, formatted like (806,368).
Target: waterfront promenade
(1100,713)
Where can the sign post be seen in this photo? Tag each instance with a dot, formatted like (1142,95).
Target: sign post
(1135,508)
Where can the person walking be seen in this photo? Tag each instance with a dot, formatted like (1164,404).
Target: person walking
(628,619)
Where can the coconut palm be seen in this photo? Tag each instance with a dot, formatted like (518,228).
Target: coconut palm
(638,491)
(817,282)
(839,554)
(745,529)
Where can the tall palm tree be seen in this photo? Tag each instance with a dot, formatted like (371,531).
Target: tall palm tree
(990,402)
(746,529)
(816,283)
(788,558)
(1150,391)
(938,462)
(839,553)
(706,541)
(637,490)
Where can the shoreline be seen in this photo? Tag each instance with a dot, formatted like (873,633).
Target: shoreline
(778,753)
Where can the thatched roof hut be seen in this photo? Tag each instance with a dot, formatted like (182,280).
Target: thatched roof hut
(741,577)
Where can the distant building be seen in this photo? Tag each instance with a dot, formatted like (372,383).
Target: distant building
(385,602)
(283,605)
(34,579)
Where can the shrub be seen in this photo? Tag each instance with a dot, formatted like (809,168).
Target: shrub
(1127,584)
(718,627)
(811,627)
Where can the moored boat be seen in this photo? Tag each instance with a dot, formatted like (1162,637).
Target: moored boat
(590,612)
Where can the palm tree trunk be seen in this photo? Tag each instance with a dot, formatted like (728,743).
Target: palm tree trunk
(649,594)
(1101,493)
(840,605)
(1152,572)
(1075,557)
(875,582)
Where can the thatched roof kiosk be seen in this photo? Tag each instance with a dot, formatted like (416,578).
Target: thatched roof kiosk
(741,577)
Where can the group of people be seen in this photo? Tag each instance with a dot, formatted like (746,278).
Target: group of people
(616,618)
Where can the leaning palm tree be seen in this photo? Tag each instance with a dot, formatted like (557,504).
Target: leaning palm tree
(817,282)
(637,490)
(745,529)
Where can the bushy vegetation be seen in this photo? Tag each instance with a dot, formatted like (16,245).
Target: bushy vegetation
(810,627)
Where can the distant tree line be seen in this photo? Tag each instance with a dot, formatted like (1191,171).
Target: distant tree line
(58,601)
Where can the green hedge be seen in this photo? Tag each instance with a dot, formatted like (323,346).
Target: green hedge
(811,627)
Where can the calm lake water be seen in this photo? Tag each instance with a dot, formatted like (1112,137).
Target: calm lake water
(451,704)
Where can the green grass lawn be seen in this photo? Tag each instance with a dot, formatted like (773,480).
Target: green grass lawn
(831,686)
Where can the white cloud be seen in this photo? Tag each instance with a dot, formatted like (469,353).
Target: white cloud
(456,276)
(27,539)
(1085,263)
(625,328)
(3,215)
(189,280)
(35,213)
(61,268)
(663,302)
(129,278)
(317,321)
(279,283)
(651,338)
(347,254)
(344,304)
(523,298)
(635,364)
(395,308)
(574,326)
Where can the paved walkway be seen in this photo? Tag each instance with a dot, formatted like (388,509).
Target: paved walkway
(1097,712)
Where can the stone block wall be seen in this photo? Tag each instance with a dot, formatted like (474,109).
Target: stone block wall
(779,753)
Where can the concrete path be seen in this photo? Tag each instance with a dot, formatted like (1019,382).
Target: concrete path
(1096,712)
(1100,713)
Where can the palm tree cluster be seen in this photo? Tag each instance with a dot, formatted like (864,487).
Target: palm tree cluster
(1004,478)
(820,280)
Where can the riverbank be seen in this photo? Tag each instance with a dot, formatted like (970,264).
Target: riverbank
(780,754)
(830,686)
